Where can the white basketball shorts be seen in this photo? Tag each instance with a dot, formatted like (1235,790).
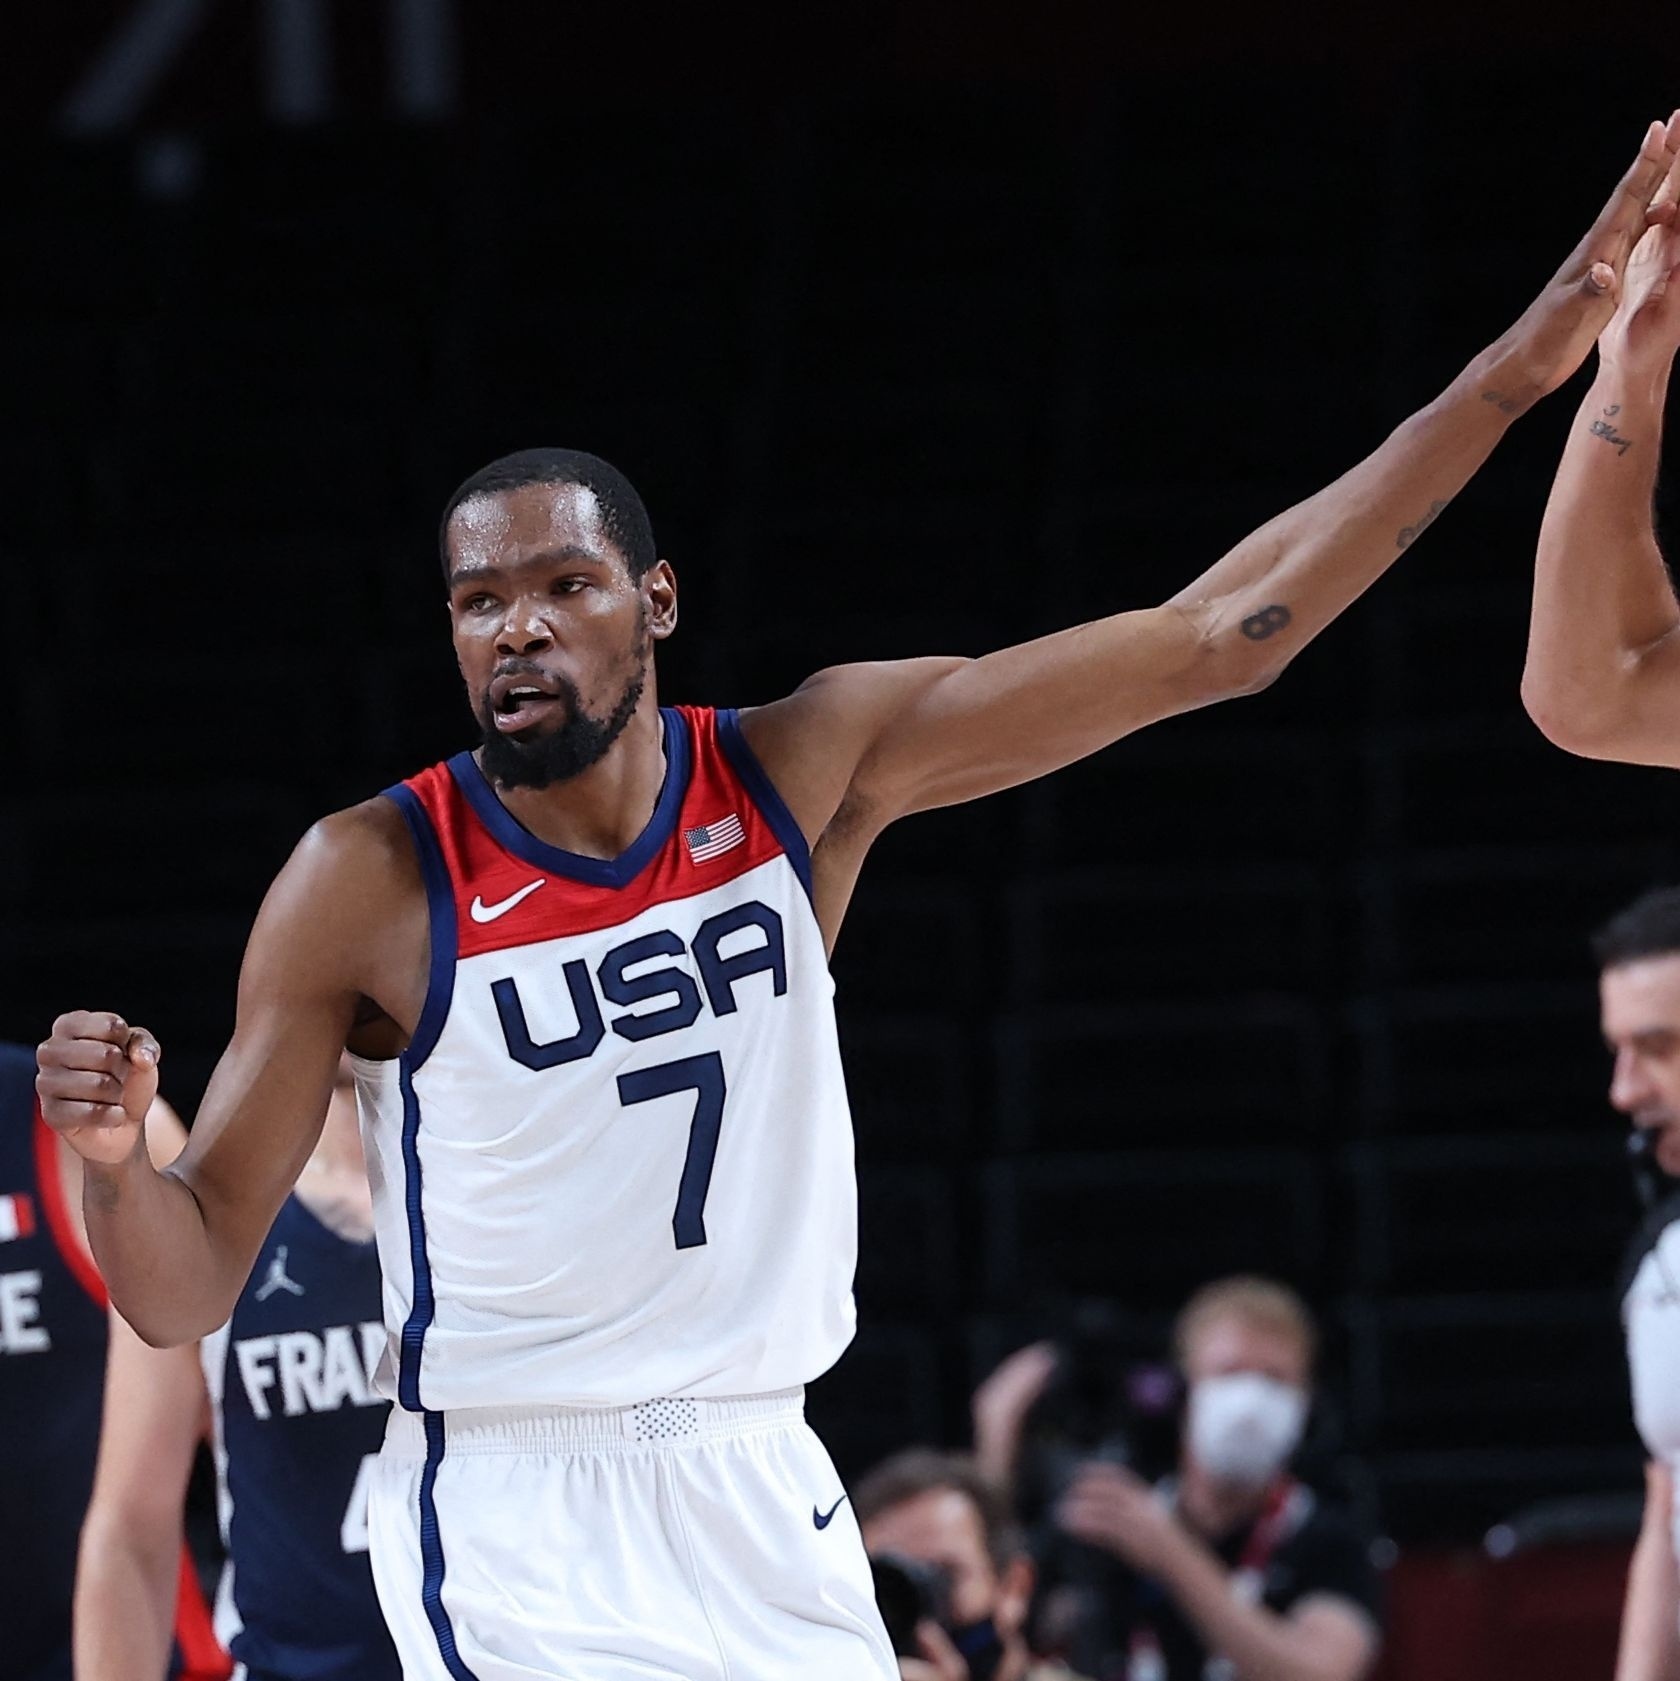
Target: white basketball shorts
(683,1540)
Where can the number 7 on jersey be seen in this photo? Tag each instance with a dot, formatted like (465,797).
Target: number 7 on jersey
(702,1075)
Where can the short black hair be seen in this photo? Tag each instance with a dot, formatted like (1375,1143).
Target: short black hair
(1649,927)
(623,512)
(913,1472)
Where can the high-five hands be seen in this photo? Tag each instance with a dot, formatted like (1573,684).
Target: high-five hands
(96,1078)
(1555,332)
(1644,334)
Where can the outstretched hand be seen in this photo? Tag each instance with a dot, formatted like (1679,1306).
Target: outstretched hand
(1644,334)
(1556,331)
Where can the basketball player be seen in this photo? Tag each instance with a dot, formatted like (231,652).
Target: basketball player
(1603,671)
(55,1324)
(582,971)
(1639,1005)
(296,1420)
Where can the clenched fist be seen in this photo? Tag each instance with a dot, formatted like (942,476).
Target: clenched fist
(96,1077)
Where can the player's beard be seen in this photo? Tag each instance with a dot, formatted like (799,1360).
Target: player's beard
(581,741)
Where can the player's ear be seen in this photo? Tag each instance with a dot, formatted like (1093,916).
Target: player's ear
(659,591)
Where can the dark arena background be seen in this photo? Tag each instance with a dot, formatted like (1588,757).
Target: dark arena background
(922,329)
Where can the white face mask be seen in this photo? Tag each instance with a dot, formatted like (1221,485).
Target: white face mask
(1244,1427)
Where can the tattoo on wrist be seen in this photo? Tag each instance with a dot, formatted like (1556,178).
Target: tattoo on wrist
(1409,534)
(1507,402)
(1267,622)
(1605,430)
(101,1189)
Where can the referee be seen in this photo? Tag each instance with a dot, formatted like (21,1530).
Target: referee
(1638,952)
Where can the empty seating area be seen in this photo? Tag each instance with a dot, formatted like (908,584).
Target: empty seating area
(1298,984)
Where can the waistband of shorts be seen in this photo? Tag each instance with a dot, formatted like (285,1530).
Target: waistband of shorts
(669,1422)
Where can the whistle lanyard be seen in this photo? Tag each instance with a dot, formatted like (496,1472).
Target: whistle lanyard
(1279,1518)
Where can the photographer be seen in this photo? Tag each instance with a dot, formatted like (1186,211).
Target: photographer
(953,1580)
(1242,1574)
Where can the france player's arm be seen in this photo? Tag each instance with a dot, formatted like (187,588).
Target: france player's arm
(343,925)
(127,1568)
(870,743)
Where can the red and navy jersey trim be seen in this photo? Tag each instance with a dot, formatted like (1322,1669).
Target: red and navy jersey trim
(70,1248)
(440,906)
(745,763)
(199,1652)
(514,837)
(717,817)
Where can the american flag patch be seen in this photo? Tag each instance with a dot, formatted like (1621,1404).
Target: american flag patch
(17,1217)
(709,839)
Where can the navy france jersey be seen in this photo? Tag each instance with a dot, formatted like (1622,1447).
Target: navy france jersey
(53,1337)
(52,1383)
(297,1425)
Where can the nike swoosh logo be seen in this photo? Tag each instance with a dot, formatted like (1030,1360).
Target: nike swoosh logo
(482,912)
(823,1519)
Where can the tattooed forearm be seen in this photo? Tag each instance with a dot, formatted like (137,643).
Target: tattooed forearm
(101,1189)
(1605,430)
(1409,534)
(1267,622)
(1508,402)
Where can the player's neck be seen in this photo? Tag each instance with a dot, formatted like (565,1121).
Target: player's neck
(600,812)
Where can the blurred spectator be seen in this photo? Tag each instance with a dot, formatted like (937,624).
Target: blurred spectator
(1238,1571)
(1098,1389)
(1639,1001)
(950,1568)
(1089,1397)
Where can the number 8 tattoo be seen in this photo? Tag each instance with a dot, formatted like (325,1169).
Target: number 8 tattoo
(1267,622)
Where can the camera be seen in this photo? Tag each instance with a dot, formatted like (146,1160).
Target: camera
(1109,1398)
(906,1590)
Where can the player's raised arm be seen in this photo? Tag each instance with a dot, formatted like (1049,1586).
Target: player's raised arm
(1603,671)
(334,932)
(880,741)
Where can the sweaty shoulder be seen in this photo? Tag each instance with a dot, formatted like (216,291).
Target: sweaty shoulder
(366,846)
(351,868)
(349,907)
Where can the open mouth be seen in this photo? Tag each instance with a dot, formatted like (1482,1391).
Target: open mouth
(519,709)
(517,703)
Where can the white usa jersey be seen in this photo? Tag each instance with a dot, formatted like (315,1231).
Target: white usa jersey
(616,1161)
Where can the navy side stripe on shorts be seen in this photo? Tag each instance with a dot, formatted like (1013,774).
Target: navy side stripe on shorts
(431,1555)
